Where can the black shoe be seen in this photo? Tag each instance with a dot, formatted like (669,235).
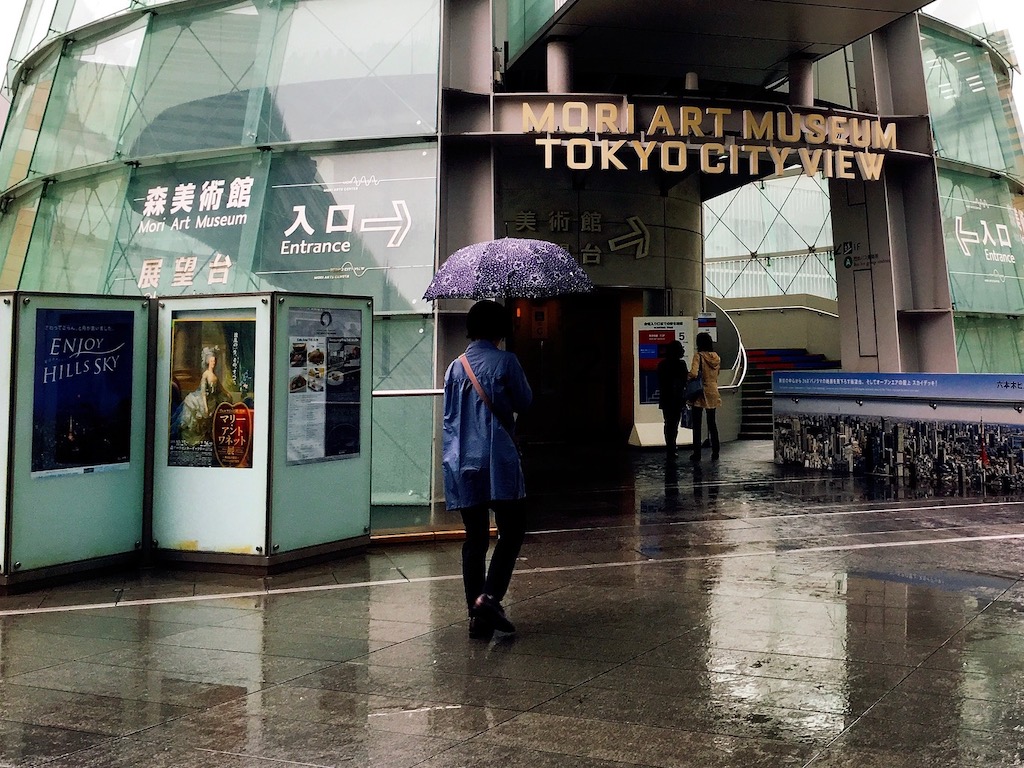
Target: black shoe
(695,458)
(490,610)
(714,457)
(480,628)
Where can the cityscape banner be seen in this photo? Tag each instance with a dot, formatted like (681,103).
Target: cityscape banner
(945,432)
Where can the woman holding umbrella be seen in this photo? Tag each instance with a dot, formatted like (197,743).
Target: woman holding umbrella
(484,389)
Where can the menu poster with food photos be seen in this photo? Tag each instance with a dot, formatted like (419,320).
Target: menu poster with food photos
(82,400)
(324,364)
(212,404)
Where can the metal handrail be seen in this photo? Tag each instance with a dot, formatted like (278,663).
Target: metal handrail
(407,392)
(792,306)
(741,366)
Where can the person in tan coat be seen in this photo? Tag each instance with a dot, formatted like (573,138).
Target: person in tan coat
(706,364)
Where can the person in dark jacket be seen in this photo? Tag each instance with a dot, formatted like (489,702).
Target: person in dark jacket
(671,383)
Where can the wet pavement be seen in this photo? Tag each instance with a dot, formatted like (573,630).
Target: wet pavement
(733,614)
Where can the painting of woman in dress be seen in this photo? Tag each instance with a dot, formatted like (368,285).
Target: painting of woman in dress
(193,418)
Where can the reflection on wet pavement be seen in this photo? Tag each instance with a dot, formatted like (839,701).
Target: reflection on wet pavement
(730,614)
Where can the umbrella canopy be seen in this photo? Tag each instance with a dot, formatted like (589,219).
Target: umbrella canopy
(507,268)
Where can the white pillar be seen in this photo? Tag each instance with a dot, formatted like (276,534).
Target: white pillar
(559,66)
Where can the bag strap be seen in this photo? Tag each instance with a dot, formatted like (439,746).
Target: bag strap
(480,391)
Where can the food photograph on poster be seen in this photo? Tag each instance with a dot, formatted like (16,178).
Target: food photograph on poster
(211,390)
(324,391)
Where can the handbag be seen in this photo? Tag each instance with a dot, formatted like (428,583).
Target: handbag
(686,417)
(510,428)
(695,387)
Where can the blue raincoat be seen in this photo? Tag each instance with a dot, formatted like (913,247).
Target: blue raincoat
(479,457)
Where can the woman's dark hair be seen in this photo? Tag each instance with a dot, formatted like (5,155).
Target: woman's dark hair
(488,320)
(704,343)
(674,351)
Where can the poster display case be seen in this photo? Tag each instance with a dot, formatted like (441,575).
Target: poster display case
(261,447)
(73,412)
(651,337)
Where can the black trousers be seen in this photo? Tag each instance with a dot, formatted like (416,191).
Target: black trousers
(671,414)
(477,577)
(698,418)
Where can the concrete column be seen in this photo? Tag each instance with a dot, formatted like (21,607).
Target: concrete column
(559,66)
(801,82)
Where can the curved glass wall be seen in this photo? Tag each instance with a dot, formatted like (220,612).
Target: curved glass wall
(220,101)
(199,79)
(87,103)
(72,236)
(989,344)
(340,73)
(988,19)
(966,103)
(15,234)
(24,123)
(231,75)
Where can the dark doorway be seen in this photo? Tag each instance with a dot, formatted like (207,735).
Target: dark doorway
(571,349)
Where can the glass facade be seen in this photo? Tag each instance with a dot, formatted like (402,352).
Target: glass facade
(72,237)
(969,122)
(87,102)
(525,18)
(984,18)
(171,154)
(770,238)
(24,123)
(339,73)
(984,243)
(989,344)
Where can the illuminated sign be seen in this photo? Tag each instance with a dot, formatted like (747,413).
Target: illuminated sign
(611,136)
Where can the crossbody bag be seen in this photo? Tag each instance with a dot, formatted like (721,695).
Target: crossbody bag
(510,428)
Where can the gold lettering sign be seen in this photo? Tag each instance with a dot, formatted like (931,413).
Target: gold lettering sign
(607,136)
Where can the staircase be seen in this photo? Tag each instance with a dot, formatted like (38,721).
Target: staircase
(755,394)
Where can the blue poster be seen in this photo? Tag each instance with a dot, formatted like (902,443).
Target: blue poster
(82,393)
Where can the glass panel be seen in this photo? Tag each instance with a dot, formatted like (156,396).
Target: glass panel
(82,12)
(343,73)
(966,106)
(834,80)
(989,20)
(356,224)
(15,235)
(810,273)
(19,140)
(197,81)
(74,231)
(989,344)
(187,228)
(37,17)
(984,243)
(402,457)
(403,357)
(774,216)
(87,104)
(403,352)
(525,18)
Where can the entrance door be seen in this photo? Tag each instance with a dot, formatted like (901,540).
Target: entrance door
(571,350)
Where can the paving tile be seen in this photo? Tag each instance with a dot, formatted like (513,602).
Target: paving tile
(136,684)
(383,713)
(26,744)
(84,712)
(603,740)
(433,685)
